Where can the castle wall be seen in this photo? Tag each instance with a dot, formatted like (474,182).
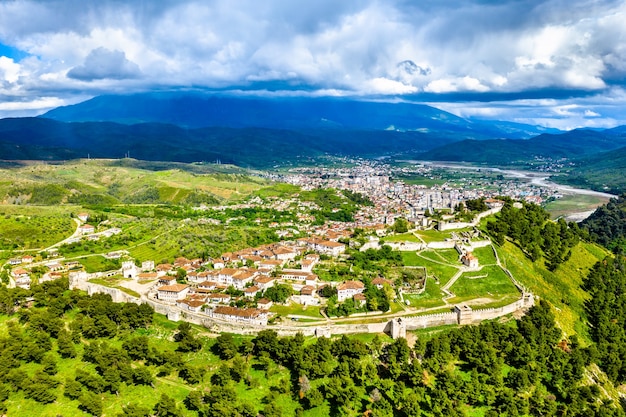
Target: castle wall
(396,327)
(405,246)
(449,244)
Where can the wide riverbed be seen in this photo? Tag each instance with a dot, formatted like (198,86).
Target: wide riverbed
(539,179)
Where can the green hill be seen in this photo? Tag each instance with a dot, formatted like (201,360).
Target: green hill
(110,182)
(603,172)
(573,144)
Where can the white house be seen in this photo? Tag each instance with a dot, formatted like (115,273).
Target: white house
(21,278)
(349,289)
(173,293)
(191,305)
(307,296)
(86,229)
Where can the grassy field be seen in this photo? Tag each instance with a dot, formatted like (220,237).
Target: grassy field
(421,180)
(433,268)
(570,204)
(107,178)
(485,255)
(297,309)
(97,263)
(431,297)
(403,237)
(432,235)
(450,256)
(489,282)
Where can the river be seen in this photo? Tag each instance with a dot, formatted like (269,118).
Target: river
(540,179)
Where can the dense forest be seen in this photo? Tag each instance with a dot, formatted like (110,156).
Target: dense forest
(607,225)
(528,226)
(512,368)
(606,283)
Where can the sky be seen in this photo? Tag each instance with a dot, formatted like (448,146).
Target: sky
(556,63)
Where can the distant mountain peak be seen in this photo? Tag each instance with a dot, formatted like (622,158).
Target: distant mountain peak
(195,109)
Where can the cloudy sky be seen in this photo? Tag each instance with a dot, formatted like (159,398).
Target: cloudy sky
(559,63)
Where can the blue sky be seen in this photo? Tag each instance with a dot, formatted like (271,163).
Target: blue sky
(558,63)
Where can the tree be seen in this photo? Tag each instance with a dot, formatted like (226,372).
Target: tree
(328,291)
(181,274)
(142,376)
(400,225)
(65,347)
(224,346)
(194,401)
(132,410)
(49,364)
(136,347)
(279,293)
(239,369)
(190,374)
(90,403)
(73,389)
(166,407)
(186,341)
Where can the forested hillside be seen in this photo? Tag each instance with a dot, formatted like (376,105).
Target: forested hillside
(70,353)
(529,227)
(607,316)
(607,225)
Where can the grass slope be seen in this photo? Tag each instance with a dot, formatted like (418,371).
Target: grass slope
(562,287)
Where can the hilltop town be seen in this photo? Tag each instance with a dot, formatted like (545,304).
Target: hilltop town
(311,277)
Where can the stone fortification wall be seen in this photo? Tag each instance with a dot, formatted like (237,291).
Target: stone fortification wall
(118,296)
(405,246)
(448,244)
(526,301)
(461,225)
(443,226)
(397,326)
(479,243)
(430,320)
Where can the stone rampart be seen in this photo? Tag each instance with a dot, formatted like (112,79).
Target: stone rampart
(479,243)
(443,226)
(430,320)
(405,246)
(448,244)
(397,326)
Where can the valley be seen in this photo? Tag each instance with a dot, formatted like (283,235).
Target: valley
(198,218)
(312,209)
(227,260)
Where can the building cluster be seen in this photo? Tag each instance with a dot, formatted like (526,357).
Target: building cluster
(54,269)
(250,271)
(395,198)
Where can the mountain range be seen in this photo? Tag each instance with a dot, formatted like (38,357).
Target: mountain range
(196,110)
(263,132)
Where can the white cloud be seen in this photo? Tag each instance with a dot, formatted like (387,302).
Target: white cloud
(43,103)
(9,70)
(453,85)
(103,63)
(382,85)
(358,47)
